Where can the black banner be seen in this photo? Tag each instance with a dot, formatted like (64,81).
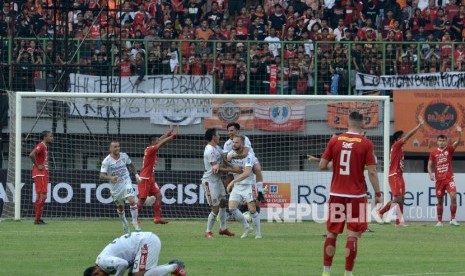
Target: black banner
(80,194)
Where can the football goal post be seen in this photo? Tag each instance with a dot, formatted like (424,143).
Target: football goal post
(283,130)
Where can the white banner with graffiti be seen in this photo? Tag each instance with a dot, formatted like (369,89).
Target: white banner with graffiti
(448,80)
(160,111)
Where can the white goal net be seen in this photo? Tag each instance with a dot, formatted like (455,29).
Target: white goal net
(283,131)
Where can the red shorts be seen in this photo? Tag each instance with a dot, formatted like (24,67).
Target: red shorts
(148,187)
(41,183)
(397,185)
(347,209)
(445,185)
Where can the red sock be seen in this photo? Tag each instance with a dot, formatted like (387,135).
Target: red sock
(36,209)
(139,208)
(453,210)
(400,214)
(157,208)
(386,208)
(351,252)
(328,259)
(40,208)
(440,209)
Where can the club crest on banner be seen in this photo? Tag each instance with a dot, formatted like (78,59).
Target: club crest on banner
(280,113)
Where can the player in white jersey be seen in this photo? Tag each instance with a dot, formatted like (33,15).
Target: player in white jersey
(213,184)
(242,188)
(137,252)
(234,129)
(115,170)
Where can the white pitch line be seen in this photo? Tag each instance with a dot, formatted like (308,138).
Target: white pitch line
(426,273)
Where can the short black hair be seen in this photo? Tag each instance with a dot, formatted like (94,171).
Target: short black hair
(396,136)
(152,138)
(235,125)
(356,116)
(210,133)
(89,271)
(442,136)
(44,133)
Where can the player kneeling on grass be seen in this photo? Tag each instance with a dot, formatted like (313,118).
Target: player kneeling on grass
(137,252)
(242,189)
(212,183)
(148,186)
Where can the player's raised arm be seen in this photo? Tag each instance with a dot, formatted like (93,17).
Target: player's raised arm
(413,130)
(459,139)
(168,133)
(168,137)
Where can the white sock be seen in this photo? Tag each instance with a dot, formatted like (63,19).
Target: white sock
(134,214)
(326,269)
(240,217)
(259,186)
(256,223)
(122,216)
(348,273)
(161,270)
(223,217)
(211,221)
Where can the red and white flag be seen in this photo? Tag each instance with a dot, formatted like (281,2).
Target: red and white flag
(280,116)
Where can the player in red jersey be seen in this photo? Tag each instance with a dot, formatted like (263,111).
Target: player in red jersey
(147,185)
(441,158)
(39,158)
(349,153)
(396,168)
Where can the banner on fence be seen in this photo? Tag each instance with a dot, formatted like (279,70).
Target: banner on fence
(338,113)
(447,80)
(160,111)
(231,111)
(441,110)
(279,116)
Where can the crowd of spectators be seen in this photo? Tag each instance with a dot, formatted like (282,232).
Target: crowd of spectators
(236,41)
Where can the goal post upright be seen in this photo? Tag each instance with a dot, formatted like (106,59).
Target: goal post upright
(385,117)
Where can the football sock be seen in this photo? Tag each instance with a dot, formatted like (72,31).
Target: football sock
(453,210)
(36,209)
(211,221)
(161,270)
(400,213)
(157,209)
(39,207)
(386,208)
(223,217)
(328,251)
(440,208)
(139,207)
(122,216)
(260,186)
(134,213)
(256,223)
(351,252)
(239,217)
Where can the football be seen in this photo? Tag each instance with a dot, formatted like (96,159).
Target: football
(247,216)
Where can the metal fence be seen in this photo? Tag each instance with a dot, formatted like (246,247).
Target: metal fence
(237,67)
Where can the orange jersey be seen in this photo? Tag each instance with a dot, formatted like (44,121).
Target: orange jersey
(41,160)
(149,162)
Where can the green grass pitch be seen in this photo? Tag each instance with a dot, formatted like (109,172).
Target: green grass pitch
(66,247)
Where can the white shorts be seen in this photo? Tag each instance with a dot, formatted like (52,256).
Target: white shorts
(243,193)
(214,190)
(120,195)
(147,254)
